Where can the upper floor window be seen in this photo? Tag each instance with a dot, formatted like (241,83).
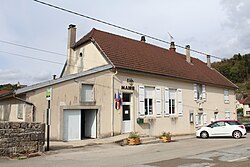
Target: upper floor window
(87,93)
(226,96)
(200,92)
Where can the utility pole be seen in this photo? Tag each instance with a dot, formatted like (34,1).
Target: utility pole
(48,116)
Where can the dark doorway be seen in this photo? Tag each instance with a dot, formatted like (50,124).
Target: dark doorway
(88,123)
(82,124)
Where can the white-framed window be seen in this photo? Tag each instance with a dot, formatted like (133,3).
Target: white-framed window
(226,96)
(191,117)
(199,119)
(200,92)
(227,115)
(151,99)
(148,101)
(1,112)
(20,111)
(172,101)
(87,93)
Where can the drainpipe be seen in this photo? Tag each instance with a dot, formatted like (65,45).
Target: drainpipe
(27,102)
(113,103)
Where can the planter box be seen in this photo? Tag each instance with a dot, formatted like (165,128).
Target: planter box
(165,139)
(134,141)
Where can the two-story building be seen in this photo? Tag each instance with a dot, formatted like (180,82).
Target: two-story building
(112,84)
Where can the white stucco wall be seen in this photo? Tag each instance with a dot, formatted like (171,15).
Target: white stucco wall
(66,95)
(180,125)
(84,58)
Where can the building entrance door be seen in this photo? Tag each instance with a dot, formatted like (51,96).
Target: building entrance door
(126,115)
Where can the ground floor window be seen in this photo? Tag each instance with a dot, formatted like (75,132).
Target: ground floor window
(227,114)
(216,116)
(20,108)
(148,106)
(172,97)
(200,119)
(148,100)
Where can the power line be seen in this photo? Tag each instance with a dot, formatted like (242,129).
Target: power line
(38,49)
(33,48)
(39,59)
(29,57)
(119,27)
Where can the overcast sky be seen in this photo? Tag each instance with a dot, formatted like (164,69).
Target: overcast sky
(219,27)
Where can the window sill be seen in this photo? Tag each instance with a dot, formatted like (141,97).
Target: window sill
(88,103)
(200,101)
(173,116)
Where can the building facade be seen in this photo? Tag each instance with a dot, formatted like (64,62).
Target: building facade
(112,85)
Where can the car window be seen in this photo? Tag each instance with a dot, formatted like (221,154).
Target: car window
(221,123)
(212,125)
(233,123)
(216,124)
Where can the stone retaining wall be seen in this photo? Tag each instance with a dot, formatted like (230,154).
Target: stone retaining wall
(21,138)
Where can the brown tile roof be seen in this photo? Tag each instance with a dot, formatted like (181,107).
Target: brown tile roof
(2,92)
(246,100)
(144,57)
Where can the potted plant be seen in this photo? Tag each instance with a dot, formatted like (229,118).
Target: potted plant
(166,137)
(134,138)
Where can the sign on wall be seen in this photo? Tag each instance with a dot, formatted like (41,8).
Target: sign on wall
(49,93)
(127,87)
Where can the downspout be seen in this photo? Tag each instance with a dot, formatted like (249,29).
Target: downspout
(27,102)
(113,103)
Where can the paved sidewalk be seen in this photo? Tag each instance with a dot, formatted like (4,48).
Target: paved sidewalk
(57,145)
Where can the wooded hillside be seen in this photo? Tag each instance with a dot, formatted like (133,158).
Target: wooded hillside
(236,69)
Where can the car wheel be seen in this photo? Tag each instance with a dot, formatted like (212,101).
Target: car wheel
(237,134)
(204,135)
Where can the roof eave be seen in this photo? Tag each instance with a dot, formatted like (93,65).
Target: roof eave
(183,78)
(63,79)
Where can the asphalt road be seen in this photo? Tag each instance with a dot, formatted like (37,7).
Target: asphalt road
(183,153)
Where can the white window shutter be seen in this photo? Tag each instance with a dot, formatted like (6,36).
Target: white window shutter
(204,94)
(227,114)
(196,118)
(205,118)
(226,96)
(158,101)
(166,102)
(141,101)
(195,92)
(180,108)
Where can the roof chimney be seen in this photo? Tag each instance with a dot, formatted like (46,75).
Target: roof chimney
(71,35)
(209,61)
(188,58)
(54,76)
(172,46)
(143,38)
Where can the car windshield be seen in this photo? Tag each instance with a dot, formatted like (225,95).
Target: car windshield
(233,123)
